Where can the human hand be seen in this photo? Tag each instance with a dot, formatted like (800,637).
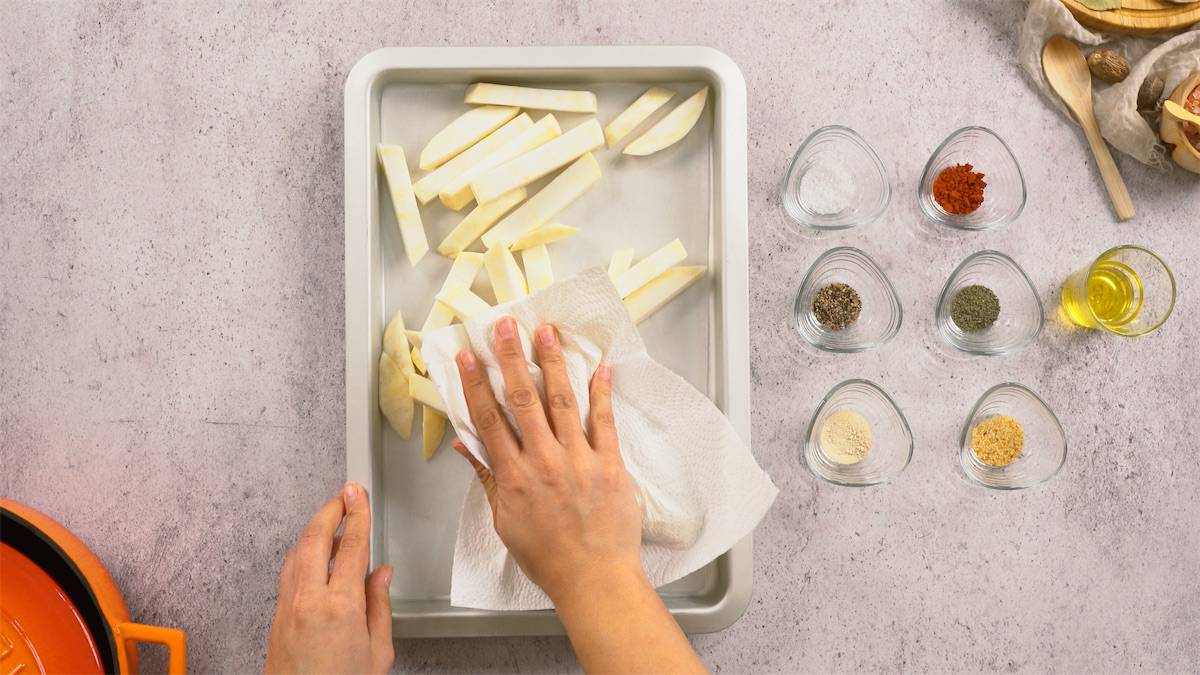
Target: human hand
(561,501)
(333,622)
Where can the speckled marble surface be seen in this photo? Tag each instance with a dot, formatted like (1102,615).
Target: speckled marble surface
(171,352)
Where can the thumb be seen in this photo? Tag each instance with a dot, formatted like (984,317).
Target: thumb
(485,477)
(379,618)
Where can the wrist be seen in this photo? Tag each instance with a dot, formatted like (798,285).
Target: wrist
(617,579)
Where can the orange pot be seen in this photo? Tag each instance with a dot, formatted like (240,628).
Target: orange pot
(60,611)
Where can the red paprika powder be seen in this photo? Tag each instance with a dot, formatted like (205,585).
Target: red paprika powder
(959,189)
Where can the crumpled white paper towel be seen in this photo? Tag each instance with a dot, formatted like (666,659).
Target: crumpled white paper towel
(1116,104)
(700,489)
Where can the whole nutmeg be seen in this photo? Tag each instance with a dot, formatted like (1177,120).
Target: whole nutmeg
(1108,65)
(1150,93)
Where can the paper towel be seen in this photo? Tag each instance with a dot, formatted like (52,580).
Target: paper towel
(700,489)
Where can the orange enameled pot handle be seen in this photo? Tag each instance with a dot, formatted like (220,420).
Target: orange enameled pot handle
(174,640)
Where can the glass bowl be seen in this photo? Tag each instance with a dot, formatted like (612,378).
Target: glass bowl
(1021,313)
(1004,196)
(892,441)
(1128,290)
(1045,449)
(872,192)
(880,317)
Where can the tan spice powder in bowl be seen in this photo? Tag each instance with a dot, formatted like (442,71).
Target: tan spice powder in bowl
(998,441)
(846,437)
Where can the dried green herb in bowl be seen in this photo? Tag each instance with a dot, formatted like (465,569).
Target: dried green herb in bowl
(975,308)
(836,306)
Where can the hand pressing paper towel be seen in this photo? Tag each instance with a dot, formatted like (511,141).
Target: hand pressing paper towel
(699,487)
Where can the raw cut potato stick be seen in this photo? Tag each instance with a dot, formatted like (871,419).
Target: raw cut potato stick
(670,129)
(547,203)
(621,261)
(464,132)
(507,280)
(650,298)
(566,100)
(425,393)
(412,232)
(543,235)
(538,162)
(395,341)
(395,402)
(431,183)
(415,337)
(433,428)
(465,304)
(456,193)
(478,221)
(537,267)
(649,267)
(644,107)
(462,274)
(417,361)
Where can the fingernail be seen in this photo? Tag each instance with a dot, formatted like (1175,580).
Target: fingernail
(387,576)
(605,372)
(466,360)
(547,336)
(506,328)
(350,493)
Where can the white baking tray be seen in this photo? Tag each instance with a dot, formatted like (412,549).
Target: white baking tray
(695,190)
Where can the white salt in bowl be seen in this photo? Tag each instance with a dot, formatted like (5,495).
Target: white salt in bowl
(868,191)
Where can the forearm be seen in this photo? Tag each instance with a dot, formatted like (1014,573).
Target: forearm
(617,623)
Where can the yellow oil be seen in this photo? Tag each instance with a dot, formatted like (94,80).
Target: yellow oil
(1112,295)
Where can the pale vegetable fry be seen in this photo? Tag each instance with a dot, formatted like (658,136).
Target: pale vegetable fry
(424,392)
(507,280)
(670,129)
(650,298)
(415,337)
(566,100)
(412,232)
(463,303)
(622,260)
(649,267)
(440,316)
(547,203)
(538,162)
(395,341)
(433,429)
(537,267)
(464,132)
(543,235)
(635,114)
(417,361)
(462,273)
(478,221)
(395,401)
(456,193)
(431,183)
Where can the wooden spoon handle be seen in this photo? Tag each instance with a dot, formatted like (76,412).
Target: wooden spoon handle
(1117,192)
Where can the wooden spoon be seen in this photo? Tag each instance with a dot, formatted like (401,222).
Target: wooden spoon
(1180,113)
(1068,75)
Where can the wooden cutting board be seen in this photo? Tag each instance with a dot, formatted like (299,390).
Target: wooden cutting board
(1137,17)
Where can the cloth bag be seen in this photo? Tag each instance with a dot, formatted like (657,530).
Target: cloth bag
(1116,104)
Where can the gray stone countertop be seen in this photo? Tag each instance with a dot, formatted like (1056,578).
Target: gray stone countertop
(171,338)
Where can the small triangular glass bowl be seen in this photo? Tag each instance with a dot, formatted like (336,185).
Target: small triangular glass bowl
(881,314)
(1004,196)
(1021,313)
(843,145)
(1045,448)
(892,441)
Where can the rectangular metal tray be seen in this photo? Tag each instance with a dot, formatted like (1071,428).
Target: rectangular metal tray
(695,190)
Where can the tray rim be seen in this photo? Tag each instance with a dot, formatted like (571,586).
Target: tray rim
(735,567)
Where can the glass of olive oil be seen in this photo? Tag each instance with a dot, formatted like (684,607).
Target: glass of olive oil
(1128,290)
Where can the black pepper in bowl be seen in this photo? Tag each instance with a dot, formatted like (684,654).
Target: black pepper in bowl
(836,306)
